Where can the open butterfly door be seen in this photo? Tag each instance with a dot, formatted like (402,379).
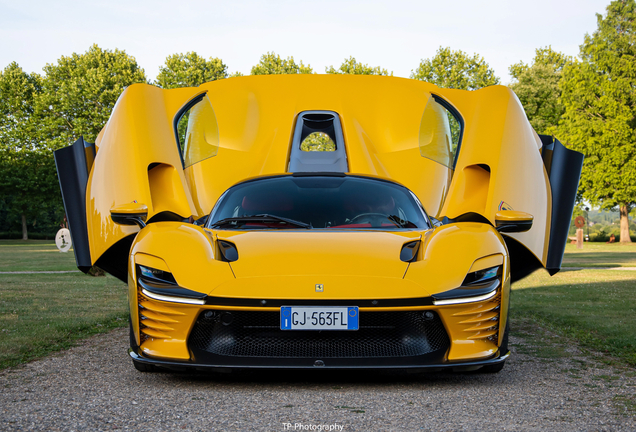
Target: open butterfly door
(504,165)
(136,160)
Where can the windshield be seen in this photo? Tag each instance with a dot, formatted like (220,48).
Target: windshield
(325,202)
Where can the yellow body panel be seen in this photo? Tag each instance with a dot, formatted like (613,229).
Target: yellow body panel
(388,133)
(138,134)
(317,253)
(255,117)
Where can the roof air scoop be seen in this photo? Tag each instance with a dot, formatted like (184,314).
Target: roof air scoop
(318,143)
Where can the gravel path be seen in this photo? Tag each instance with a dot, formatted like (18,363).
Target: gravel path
(95,387)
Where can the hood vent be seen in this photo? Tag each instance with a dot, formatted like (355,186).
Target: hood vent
(318,144)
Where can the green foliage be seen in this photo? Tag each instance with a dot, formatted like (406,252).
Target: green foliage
(318,141)
(543,56)
(537,86)
(272,64)
(29,184)
(38,115)
(17,94)
(457,70)
(80,91)
(28,181)
(599,96)
(601,236)
(351,66)
(190,70)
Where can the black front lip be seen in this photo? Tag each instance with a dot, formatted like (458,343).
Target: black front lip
(179,365)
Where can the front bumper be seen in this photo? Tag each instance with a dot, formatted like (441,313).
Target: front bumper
(393,335)
(393,363)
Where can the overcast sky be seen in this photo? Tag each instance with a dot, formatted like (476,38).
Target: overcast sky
(393,34)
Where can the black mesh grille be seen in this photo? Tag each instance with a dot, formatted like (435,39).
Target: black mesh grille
(258,334)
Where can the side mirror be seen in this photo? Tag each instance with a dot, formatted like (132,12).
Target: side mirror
(511,221)
(130,214)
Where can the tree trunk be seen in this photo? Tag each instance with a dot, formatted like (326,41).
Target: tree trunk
(625,224)
(25,235)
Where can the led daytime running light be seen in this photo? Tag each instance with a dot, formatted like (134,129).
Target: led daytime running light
(171,298)
(465,299)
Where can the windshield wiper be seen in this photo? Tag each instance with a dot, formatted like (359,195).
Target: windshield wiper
(397,221)
(260,218)
(401,222)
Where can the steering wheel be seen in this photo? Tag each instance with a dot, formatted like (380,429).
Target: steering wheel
(375,219)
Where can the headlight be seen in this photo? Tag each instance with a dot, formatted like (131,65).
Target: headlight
(161,285)
(477,286)
(157,275)
(482,276)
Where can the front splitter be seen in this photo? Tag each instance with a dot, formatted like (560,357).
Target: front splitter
(180,365)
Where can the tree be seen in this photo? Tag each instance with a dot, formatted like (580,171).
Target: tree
(28,184)
(537,86)
(599,96)
(318,141)
(271,64)
(190,70)
(38,115)
(455,69)
(80,91)
(351,66)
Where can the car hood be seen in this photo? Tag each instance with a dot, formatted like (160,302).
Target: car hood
(305,253)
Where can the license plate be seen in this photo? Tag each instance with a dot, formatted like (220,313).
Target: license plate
(319,317)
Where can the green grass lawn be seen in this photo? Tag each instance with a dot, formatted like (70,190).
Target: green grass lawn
(596,307)
(43,313)
(34,255)
(600,255)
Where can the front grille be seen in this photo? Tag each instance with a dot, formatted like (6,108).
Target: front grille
(258,334)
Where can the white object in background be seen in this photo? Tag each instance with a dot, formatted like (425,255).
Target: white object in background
(63,240)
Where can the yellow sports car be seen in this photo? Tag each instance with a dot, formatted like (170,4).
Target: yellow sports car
(318,221)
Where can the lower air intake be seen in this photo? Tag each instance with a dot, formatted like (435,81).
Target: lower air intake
(258,334)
